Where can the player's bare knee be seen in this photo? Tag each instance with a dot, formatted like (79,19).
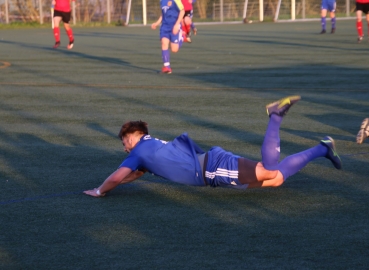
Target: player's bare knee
(269,175)
(278,182)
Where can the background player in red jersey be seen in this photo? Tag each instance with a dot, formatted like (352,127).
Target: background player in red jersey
(187,23)
(361,6)
(62,12)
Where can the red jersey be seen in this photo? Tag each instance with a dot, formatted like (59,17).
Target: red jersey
(362,1)
(187,4)
(62,5)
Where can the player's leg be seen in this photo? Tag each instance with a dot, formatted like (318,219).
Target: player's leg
(165,55)
(193,27)
(294,163)
(187,22)
(270,150)
(176,41)
(186,27)
(69,32)
(56,29)
(323,20)
(359,24)
(68,29)
(367,20)
(363,132)
(333,17)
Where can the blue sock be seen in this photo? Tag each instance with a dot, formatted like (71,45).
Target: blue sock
(166,57)
(270,150)
(192,26)
(323,22)
(333,20)
(294,163)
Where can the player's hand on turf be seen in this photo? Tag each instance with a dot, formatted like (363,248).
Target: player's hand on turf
(93,193)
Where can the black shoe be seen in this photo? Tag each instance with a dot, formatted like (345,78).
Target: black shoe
(332,154)
(57,44)
(323,32)
(281,106)
(333,30)
(70,45)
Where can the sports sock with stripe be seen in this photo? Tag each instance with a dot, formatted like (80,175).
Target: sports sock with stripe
(166,57)
(70,34)
(294,163)
(270,150)
(56,31)
(323,22)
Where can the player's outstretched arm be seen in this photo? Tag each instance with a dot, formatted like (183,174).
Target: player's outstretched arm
(155,24)
(120,176)
(177,25)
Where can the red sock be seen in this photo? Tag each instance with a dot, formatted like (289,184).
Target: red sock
(188,29)
(359,27)
(70,34)
(56,31)
(183,27)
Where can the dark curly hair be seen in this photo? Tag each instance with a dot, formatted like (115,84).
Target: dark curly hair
(133,126)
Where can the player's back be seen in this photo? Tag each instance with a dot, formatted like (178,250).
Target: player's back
(175,160)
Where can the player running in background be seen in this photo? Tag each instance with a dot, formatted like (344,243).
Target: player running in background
(361,6)
(172,12)
(363,132)
(62,12)
(328,5)
(187,23)
(182,161)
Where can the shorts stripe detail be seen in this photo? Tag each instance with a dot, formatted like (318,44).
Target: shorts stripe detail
(222,173)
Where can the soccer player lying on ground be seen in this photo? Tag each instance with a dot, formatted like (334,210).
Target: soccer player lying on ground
(182,161)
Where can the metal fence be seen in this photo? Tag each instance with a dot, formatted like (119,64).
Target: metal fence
(147,11)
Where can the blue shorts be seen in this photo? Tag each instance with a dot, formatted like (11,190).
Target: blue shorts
(167,32)
(222,169)
(329,5)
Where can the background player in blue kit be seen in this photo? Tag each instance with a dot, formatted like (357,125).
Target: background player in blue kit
(331,6)
(172,12)
(182,161)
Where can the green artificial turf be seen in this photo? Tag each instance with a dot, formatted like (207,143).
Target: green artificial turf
(60,112)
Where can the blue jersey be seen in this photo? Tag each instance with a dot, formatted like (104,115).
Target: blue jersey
(170,11)
(176,160)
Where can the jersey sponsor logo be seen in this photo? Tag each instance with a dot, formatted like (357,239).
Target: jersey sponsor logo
(165,9)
